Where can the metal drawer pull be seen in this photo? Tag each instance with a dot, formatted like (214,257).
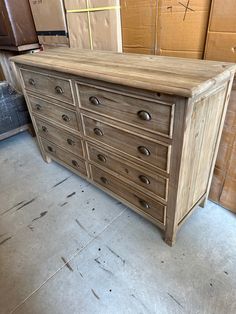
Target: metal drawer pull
(98,132)
(32,82)
(143,150)
(59,90)
(70,142)
(144,115)
(75,163)
(144,179)
(65,118)
(44,129)
(104,180)
(144,204)
(94,101)
(50,149)
(38,107)
(101,158)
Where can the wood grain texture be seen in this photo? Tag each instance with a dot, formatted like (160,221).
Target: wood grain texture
(158,154)
(183,77)
(70,159)
(57,114)
(56,87)
(146,204)
(173,152)
(60,137)
(140,176)
(128,109)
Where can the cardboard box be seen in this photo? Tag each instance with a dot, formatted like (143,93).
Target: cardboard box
(94,24)
(139,25)
(50,22)
(165,27)
(221,45)
(182,28)
(221,38)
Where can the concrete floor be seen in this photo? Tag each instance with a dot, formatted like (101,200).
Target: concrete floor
(118,262)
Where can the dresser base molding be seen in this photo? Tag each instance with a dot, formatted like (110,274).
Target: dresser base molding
(145,130)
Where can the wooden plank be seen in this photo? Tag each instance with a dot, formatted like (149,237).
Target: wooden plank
(14,131)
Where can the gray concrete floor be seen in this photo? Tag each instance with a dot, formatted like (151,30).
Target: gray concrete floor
(118,262)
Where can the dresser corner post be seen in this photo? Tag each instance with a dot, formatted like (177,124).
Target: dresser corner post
(183,109)
(170,237)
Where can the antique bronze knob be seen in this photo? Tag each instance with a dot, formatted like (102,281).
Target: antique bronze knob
(70,141)
(32,82)
(144,115)
(144,204)
(98,132)
(65,118)
(50,148)
(104,180)
(44,129)
(75,163)
(144,179)
(59,90)
(144,151)
(101,158)
(38,107)
(94,100)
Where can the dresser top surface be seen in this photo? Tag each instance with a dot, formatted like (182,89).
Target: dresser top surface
(178,76)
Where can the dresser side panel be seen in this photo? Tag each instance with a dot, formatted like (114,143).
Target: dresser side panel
(200,146)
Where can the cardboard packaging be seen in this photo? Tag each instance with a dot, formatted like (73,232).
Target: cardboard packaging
(50,22)
(221,45)
(165,27)
(139,25)
(94,24)
(182,27)
(221,38)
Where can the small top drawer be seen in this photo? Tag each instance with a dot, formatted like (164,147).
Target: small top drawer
(143,150)
(48,85)
(57,114)
(60,137)
(153,116)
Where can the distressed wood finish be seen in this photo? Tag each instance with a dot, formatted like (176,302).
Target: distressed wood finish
(144,113)
(70,159)
(56,135)
(143,150)
(160,161)
(48,85)
(143,177)
(58,114)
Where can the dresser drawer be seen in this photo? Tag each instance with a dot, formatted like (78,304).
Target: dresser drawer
(60,137)
(143,150)
(56,113)
(144,178)
(128,193)
(48,85)
(150,115)
(68,158)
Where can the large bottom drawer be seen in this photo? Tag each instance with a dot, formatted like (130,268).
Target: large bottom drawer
(139,200)
(64,156)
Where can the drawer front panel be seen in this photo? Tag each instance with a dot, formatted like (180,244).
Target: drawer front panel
(62,138)
(140,200)
(155,184)
(137,147)
(57,114)
(149,115)
(68,158)
(48,85)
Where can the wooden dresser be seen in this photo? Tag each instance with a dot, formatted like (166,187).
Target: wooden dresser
(145,129)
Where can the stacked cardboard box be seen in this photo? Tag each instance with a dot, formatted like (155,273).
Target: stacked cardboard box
(50,22)
(94,24)
(221,45)
(165,27)
(182,27)
(139,25)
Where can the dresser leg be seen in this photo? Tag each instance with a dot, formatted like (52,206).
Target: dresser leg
(170,239)
(46,158)
(203,202)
